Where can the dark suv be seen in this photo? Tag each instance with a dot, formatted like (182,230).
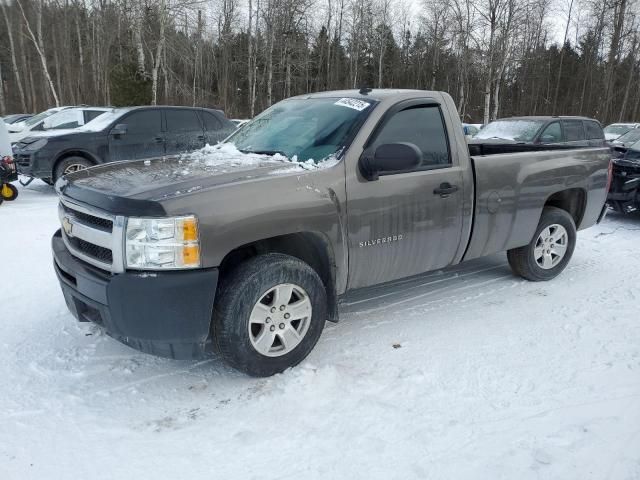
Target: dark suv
(577,131)
(120,134)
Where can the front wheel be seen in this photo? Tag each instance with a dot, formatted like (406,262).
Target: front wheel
(550,249)
(70,165)
(269,314)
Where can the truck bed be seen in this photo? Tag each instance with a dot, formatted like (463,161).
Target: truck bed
(515,182)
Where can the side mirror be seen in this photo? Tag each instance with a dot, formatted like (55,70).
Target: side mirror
(547,139)
(119,129)
(390,158)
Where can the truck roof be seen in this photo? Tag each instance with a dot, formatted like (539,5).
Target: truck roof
(547,117)
(374,93)
(168,107)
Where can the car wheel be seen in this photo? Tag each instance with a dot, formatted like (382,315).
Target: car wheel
(550,249)
(70,165)
(269,314)
(9,192)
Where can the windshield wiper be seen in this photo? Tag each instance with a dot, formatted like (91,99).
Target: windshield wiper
(265,152)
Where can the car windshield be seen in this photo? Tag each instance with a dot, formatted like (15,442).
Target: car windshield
(632,136)
(37,118)
(516,130)
(617,129)
(303,129)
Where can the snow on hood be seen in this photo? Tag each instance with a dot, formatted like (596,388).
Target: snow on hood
(226,155)
(170,176)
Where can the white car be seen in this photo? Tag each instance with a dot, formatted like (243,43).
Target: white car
(615,130)
(54,119)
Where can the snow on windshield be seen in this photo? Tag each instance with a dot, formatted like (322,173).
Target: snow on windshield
(516,130)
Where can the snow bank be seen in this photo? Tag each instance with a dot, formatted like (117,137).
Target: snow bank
(467,373)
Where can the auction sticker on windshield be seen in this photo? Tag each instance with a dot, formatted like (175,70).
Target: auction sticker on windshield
(353,103)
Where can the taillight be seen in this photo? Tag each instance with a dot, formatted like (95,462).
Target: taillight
(609,175)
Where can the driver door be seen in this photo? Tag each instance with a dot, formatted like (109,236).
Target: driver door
(406,223)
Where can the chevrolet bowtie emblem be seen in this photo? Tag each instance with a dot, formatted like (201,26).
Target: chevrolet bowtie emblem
(67,226)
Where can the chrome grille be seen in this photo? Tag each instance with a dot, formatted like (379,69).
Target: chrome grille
(92,235)
(100,223)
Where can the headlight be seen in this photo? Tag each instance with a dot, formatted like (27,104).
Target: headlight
(37,145)
(162,243)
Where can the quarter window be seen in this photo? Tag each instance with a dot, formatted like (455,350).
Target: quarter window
(422,126)
(573,130)
(594,130)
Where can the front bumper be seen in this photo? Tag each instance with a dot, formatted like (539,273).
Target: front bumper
(162,313)
(32,164)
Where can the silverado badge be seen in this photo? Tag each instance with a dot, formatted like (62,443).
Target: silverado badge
(378,241)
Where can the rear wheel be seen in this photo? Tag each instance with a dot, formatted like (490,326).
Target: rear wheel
(550,250)
(8,192)
(269,314)
(70,165)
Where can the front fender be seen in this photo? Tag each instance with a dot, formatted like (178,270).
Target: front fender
(266,207)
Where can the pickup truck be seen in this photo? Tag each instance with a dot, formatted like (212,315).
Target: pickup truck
(247,247)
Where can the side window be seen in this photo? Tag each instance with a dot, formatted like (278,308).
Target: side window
(91,114)
(551,134)
(146,121)
(182,120)
(211,123)
(573,130)
(424,127)
(594,130)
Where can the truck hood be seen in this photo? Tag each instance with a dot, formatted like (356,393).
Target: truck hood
(142,185)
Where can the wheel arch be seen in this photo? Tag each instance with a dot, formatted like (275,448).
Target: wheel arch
(313,248)
(571,200)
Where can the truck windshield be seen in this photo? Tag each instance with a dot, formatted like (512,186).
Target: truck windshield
(516,130)
(303,129)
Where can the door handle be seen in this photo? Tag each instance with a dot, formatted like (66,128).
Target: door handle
(445,189)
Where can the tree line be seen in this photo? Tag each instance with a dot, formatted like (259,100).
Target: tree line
(495,57)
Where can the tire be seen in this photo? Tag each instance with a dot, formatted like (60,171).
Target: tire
(543,260)
(246,309)
(9,192)
(69,165)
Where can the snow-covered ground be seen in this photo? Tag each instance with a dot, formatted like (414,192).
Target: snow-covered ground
(469,373)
